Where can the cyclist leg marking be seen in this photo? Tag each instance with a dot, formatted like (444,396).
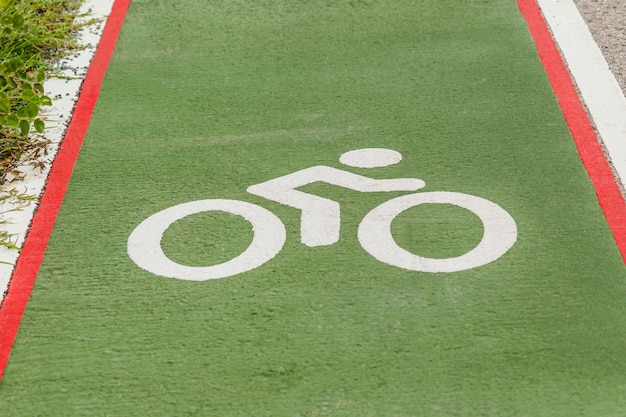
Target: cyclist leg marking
(500,233)
(321,220)
(144,243)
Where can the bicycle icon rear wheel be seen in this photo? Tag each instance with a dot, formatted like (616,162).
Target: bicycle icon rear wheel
(144,243)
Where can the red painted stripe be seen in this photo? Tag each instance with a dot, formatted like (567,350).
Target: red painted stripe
(27,266)
(589,148)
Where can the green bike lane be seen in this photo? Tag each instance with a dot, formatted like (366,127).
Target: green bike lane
(202,100)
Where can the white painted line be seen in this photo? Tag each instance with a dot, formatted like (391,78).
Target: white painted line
(64,94)
(597,84)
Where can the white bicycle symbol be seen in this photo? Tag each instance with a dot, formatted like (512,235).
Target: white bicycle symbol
(320,222)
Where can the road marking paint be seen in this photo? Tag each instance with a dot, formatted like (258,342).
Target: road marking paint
(31,256)
(320,221)
(598,87)
(499,232)
(65,90)
(370,158)
(144,243)
(589,148)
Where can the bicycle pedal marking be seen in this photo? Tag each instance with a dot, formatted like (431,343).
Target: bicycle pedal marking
(320,222)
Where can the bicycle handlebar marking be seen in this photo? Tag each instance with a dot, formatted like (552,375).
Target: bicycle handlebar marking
(321,220)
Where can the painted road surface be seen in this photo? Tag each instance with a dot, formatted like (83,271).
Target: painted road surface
(323,208)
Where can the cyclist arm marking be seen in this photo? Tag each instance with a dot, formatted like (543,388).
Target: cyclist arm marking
(320,220)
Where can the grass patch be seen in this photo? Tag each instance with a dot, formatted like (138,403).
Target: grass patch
(33,35)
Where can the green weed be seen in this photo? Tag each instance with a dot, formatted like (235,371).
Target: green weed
(33,34)
(17,200)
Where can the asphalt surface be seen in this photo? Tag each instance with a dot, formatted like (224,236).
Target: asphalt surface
(607,22)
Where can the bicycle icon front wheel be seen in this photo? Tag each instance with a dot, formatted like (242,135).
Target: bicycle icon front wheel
(499,235)
(144,243)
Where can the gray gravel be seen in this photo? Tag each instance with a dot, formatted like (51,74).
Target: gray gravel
(607,22)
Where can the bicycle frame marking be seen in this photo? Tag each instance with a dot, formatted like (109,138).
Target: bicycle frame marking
(321,219)
(321,222)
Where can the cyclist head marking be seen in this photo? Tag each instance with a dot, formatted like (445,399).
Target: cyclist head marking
(370,158)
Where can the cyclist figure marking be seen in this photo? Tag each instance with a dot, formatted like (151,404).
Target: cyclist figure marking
(320,220)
